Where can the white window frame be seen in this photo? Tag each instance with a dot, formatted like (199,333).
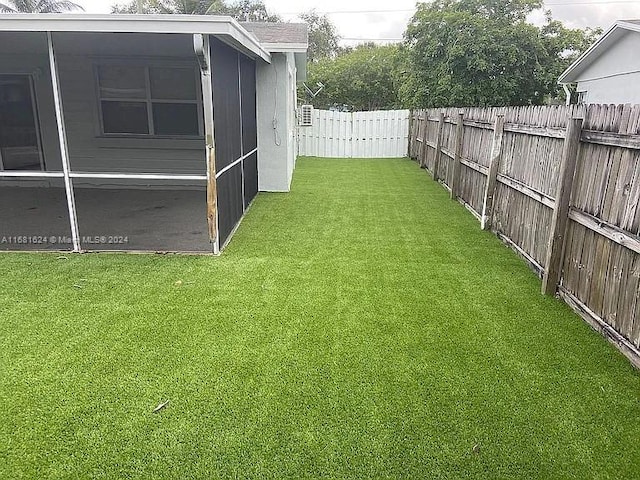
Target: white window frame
(149,101)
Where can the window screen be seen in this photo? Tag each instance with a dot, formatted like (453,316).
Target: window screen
(175,119)
(122,82)
(173,84)
(125,117)
(151,101)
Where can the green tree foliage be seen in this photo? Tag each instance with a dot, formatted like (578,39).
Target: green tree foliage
(245,10)
(187,7)
(250,11)
(364,78)
(38,6)
(323,36)
(483,52)
(562,47)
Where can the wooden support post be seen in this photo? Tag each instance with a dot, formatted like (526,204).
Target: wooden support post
(492,176)
(436,158)
(457,155)
(559,221)
(203,53)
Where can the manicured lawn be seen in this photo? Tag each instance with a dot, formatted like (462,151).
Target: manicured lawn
(361,326)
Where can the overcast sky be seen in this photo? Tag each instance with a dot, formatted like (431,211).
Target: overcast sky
(359,19)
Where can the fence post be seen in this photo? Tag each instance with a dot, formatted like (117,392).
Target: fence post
(422,129)
(492,176)
(560,217)
(436,158)
(411,126)
(457,155)
(421,135)
(425,135)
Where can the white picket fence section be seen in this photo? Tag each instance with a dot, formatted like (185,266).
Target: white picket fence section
(378,134)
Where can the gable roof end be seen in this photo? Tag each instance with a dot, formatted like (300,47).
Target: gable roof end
(611,36)
(283,37)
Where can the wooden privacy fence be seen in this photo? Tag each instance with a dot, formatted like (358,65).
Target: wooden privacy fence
(561,186)
(378,134)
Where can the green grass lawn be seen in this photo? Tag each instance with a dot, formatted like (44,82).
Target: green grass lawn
(361,326)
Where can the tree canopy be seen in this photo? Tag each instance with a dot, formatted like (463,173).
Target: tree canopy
(483,52)
(323,36)
(245,10)
(364,78)
(455,52)
(38,6)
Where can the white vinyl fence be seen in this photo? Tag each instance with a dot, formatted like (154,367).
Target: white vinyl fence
(379,134)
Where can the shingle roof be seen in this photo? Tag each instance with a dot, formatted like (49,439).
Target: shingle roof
(272,32)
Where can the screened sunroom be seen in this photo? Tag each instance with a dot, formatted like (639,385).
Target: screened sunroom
(134,133)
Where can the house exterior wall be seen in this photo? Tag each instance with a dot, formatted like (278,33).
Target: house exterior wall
(619,89)
(276,87)
(615,75)
(90,151)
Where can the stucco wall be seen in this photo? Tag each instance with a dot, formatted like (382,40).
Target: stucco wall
(617,89)
(614,76)
(276,122)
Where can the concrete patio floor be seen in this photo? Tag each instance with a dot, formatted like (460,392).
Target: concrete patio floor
(108,219)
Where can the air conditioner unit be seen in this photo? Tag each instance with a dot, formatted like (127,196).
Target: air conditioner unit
(306,116)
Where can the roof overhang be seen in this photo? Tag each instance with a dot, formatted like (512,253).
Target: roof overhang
(286,47)
(611,36)
(223,27)
(299,51)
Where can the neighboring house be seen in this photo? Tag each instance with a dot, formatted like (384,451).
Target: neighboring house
(609,71)
(130,101)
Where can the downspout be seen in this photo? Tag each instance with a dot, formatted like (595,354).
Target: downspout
(567,93)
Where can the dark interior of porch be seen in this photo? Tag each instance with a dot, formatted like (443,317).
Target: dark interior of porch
(36,218)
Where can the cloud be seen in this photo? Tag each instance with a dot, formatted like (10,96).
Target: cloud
(393,24)
(603,16)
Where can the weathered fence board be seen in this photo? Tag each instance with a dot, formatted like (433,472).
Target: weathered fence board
(595,253)
(379,134)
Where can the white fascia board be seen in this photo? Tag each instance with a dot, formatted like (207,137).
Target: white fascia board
(629,26)
(286,47)
(227,28)
(570,75)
